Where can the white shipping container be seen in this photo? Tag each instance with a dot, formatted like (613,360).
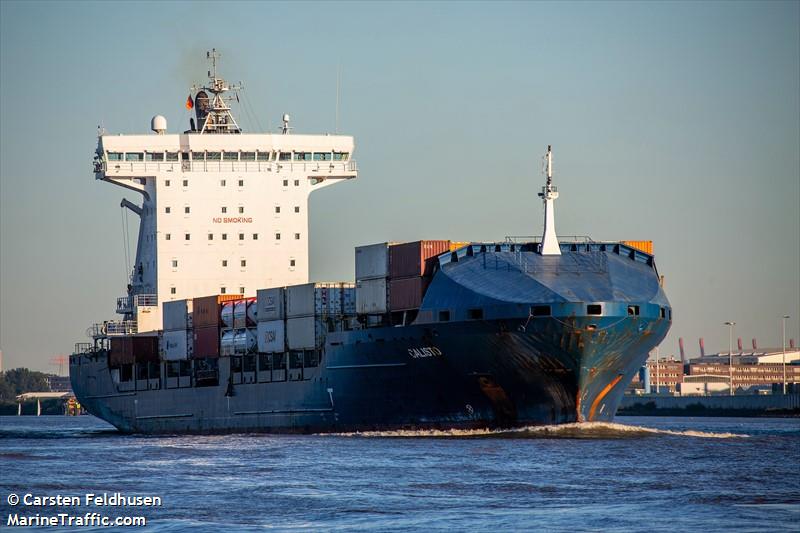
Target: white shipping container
(174,345)
(176,314)
(316,299)
(304,333)
(371,296)
(270,304)
(372,261)
(271,336)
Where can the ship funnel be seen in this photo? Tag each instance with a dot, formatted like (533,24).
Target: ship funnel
(702,347)
(683,354)
(755,345)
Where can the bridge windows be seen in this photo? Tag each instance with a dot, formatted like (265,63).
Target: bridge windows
(247,156)
(285,156)
(230,156)
(158,156)
(115,156)
(198,156)
(213,156)
(594,309)
(340,156)
(172,156)
(322,156)
(302,156)
(263,156)
(134,156)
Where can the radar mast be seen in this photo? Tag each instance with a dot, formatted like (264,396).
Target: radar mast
(549,193)
(213,113)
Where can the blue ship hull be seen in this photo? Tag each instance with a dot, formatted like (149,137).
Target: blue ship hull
(504,337)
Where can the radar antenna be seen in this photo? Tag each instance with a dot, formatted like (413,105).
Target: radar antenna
(549,193)
(213,113)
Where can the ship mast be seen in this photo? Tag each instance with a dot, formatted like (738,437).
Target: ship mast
(214,114)
(549,193)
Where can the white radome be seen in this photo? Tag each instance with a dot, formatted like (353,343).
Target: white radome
(158,124)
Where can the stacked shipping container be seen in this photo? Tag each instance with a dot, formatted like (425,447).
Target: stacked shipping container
(411,267)
(176,341)
(271,325)
(129,350)
(313,309)
(372,278)
(206,316)
(238,331)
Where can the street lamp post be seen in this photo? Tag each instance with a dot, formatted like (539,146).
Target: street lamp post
(730,353)
(783,335)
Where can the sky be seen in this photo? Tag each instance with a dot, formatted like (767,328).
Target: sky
(672,122)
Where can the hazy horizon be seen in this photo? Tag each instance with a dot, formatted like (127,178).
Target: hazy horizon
(672,122)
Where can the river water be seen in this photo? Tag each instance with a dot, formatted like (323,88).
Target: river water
(639,474)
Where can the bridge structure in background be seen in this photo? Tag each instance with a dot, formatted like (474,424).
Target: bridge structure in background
(71,405)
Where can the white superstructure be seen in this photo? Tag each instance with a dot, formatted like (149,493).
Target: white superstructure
(221,211)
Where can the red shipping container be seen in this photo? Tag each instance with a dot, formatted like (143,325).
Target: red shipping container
(127,350)
(205,309)
(145,349)
(206,342)
(407,293)
(410,259)
(121,352)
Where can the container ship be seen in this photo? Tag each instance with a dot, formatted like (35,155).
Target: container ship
(221,330)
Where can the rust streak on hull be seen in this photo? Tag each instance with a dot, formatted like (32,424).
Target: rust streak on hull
(602,395)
